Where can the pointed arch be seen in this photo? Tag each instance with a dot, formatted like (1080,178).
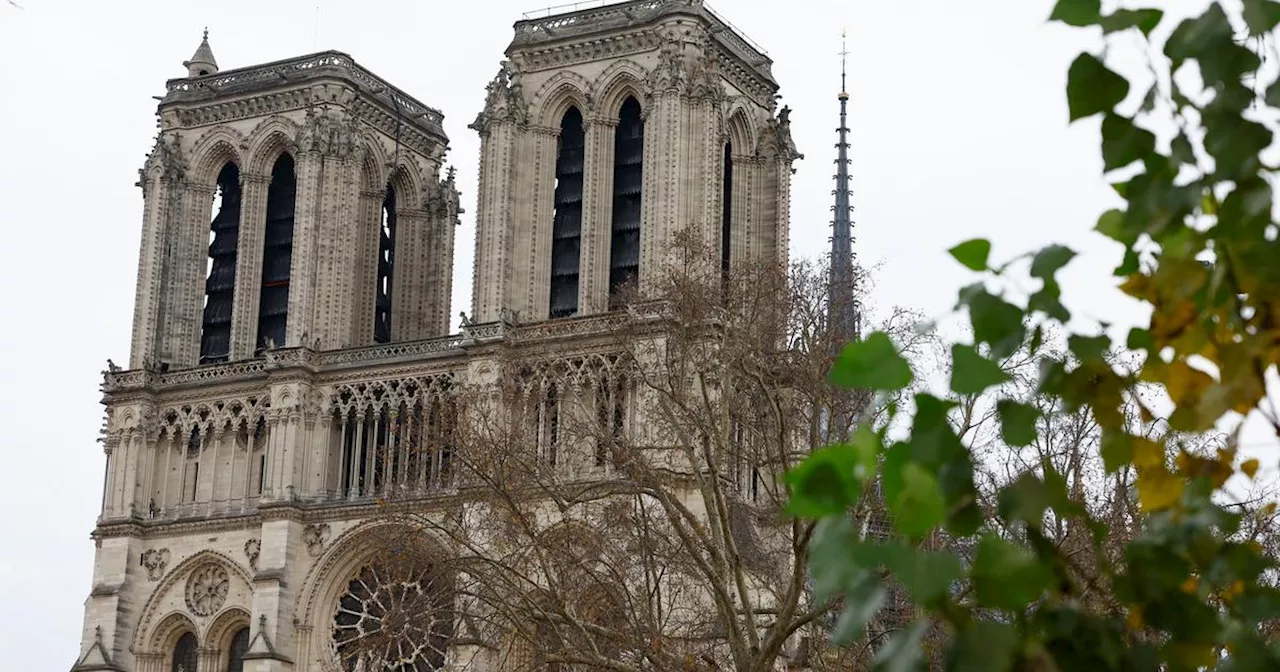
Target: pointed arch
(220,279)
(214,150)
(168,630)
(385,264)
(277,253)
(147,637)
(563,90)
(269,140)
(373,163)
(566,226)
(739,130)
(621,80)
(628,184)
(227,637)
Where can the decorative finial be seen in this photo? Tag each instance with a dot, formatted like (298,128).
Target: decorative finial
(844,53)
(206,33)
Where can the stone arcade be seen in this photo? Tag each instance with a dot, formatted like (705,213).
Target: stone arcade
(293,296)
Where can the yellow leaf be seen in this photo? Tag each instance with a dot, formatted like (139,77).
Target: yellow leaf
(1185,383)
(1190,586)
(1147,453)
(1134,619)
(1250,467)
(1158,489)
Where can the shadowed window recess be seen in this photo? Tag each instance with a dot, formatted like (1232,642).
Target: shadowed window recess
(185,654)
(220,281)
(277,255)
(726,212)
(566,228)
(628,177)
(386,265)
(239,647)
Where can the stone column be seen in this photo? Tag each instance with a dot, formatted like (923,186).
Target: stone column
(411,276)
(271,630)
(248,291)
(597,215)
(162,186)
(663,152)
(308,173)
(491,275)
(337,226)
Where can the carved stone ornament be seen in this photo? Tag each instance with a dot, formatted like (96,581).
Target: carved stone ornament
(504,99)
(669,74)
(252,549)
(207,589)
(155,560)
(327,132)
(315,537)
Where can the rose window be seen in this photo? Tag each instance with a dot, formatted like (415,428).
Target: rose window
(399,620)
(207,590)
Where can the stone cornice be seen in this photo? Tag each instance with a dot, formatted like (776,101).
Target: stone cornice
(295,75)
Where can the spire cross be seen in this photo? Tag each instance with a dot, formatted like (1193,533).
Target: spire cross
(206,33)
(844,53)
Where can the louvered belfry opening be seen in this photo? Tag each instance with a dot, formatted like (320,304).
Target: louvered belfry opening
(277,255)
(628,174)
(726,212)
(386,263)
(220,284)
(566,228)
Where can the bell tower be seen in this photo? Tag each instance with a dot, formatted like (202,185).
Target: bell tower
(607,131)
(297,203)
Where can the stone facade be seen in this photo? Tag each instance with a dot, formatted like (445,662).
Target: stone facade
(232,497)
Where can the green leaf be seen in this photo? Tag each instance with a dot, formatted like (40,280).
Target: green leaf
(1090,349)
(994,321)
(867,447)
(831,558)
(824,484)
(1139,339)
(1048,299)
(1116,449)
(972,253)
(971,373)
(1077,13)
(1028,497)
(916,505)
(1234,144)
(1180,150)
(1092,88)
(871,364)
(1017,422)
(1006,576)
(861,601)
(1261,16)
(926,574)
(903,652)
(1048,260)
(1144,20)
(984,646)
(1123,142)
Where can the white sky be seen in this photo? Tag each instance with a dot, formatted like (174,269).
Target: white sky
(959,130)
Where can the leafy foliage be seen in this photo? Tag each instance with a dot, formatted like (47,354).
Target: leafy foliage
(1177,585)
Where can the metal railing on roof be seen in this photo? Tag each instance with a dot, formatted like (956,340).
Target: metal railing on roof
(584,5)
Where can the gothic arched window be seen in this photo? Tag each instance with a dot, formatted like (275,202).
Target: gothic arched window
(726,212)
(239,647)
(277,254)
(220,279)
(386,263)
(628,176)
(566,227)
(395,616)
(185,654)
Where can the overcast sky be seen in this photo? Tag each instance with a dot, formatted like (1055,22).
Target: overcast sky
(959,129)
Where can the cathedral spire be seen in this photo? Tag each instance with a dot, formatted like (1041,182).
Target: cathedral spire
(202,62)
(842,304)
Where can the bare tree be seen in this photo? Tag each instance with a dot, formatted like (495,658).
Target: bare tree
(621,498)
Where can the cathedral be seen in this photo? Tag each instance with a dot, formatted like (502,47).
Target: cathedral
(292,369)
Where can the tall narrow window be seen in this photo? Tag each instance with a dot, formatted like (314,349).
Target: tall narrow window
(386,262)
(277,255)
(239,647)
(185,654)
(220,280)
(628,175)
(566,227)
(726,212)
